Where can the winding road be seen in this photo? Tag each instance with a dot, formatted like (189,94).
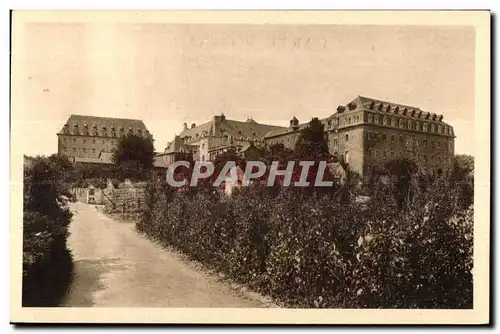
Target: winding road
(117,267)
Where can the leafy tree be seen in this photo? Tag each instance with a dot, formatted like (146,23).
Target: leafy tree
(134,148)
(313,143)
(403,174)
(462,177)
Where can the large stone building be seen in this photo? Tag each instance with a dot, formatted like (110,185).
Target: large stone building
(219,135)
(364,133)
(368,132)
(90,139)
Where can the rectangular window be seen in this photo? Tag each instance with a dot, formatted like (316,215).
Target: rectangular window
(384,137)
(74,140)
(425,142)
(84,141)
(74,149)
(93,141)
(84,150)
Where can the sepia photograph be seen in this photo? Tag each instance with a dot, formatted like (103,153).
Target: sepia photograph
(250,167)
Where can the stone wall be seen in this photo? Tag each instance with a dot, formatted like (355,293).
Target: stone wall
(127,197)
(83,195)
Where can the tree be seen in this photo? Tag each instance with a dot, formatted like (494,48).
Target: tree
(462,177)
(313,143)
(134,148)
(403,173)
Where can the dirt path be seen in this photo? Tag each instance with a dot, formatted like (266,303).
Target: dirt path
(115,266)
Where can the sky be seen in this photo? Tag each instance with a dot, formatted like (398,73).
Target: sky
(168,74)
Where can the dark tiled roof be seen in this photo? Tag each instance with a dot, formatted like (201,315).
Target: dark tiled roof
(387,107)
(103,125)
(176,145)
(245,130)
(285,131)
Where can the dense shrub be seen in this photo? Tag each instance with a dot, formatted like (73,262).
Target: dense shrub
(312,251)
(47,263)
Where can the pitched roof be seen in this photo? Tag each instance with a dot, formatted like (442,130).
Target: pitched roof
(413,112)
(176,145)
(103,125)
(285,131)
(249,129)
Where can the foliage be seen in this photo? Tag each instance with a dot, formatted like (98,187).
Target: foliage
(134,148)
(313,143)
(47,264)
(311,251)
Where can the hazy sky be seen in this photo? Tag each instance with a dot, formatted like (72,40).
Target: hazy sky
(168,74)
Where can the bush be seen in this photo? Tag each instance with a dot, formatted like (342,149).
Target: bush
(47,263)
(312,251)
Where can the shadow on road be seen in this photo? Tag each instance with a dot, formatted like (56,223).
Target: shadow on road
(87,280)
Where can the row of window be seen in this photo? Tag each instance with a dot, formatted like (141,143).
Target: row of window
(103,132)
(83,149)
(393,138)
(396,122)
(409,124)
(104,141)
(412,141)
(418,157)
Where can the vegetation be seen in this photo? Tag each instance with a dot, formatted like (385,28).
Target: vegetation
(47,263)
(308,251)
(409,246)
(133,148)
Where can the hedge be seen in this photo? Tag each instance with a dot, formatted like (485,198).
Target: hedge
(311,251)
(47,262)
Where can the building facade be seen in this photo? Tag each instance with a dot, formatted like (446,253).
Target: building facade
(369,132)
(90,139)
(220,135)
(364,133)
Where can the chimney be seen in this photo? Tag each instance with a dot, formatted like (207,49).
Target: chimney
(294,123)
(193,125)
(185,126)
